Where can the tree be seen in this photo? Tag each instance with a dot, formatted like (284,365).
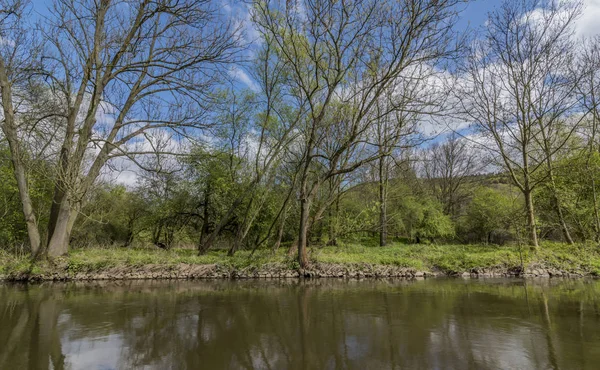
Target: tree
(448,167)
(112,216)
(518,88)
(121,71)
(269,128)
(414,97)
(343,57)
(588,94)
(491,211)
(18,57)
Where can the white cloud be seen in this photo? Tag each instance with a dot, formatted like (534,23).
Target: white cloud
(7,42)
(589,22)
(125,171)
(586,25)
(244,78)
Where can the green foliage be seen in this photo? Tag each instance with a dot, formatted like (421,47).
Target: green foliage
(432,222)
(411,212)
(111,216)
(577,177)
(13,231)
(492,210)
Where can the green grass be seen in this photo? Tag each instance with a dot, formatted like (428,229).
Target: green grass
(447,258)
(583,258)
(93,259)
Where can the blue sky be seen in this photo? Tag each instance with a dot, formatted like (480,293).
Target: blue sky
(473,17)
(475,13)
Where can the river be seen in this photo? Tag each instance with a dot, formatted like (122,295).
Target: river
(291,324)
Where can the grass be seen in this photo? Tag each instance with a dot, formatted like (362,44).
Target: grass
(465,258)
(584,258)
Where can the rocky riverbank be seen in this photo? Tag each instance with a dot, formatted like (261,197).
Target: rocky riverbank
(275,270)
(354,262)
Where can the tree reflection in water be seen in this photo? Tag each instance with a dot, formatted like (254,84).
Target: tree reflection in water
(325,324)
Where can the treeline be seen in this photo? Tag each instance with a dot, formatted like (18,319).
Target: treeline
(331,140)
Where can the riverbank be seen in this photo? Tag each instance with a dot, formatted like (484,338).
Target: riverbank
(348,261)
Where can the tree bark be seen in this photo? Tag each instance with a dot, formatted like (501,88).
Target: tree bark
(243,228)
(533,239)
(207,244)
(561,218)
(279,234)
(382,205)
(58,244)
(555,199)
(596,213)
(303,232)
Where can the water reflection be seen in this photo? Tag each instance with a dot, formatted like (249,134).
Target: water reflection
(433,324)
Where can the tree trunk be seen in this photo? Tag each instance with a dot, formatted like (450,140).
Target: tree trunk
(57,202)
(58,244)
(10,131)
(596,215)
(303,232)
(333,218)
(330,232)
(557,207)
(279,234)
(382,205)
(561,219)
(594,197)
(205,245)
(533,240)
(243,228)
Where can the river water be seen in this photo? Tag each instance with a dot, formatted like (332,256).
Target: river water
(323,324)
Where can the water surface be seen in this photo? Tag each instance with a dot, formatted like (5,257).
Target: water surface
(325,324)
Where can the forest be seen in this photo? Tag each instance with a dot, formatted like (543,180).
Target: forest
(295,125)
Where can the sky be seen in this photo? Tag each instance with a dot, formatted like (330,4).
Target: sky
(472,17)
(475,13)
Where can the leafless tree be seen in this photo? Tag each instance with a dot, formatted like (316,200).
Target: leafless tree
(518,89)
(589,96)
(274,132)
(448,166)
(18,60)
(418,97)
(122,69)
(343,57)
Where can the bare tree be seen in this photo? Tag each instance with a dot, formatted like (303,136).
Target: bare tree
(518,89)
(18,59)
(343,56)
(448,167)
(122,69)
(274,130)
(418,95)
(589,96)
